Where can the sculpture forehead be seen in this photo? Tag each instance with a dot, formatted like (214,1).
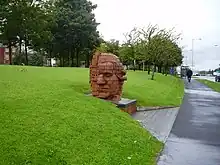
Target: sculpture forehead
(106,64)
(109,63)
(108,58)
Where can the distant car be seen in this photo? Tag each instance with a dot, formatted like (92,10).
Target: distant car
(197,74)
(217,76)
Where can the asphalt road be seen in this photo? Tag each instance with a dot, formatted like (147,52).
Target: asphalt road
(195,136)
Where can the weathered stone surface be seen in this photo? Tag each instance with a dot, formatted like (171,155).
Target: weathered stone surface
(107,76)
(127,105)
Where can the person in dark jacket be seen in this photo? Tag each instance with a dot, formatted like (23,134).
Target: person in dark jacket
(189,74)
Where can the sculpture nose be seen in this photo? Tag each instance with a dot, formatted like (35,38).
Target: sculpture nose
(100,80)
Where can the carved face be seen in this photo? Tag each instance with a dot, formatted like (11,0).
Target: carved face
(109,77)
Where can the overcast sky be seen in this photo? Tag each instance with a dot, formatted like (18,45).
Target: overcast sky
(192,18)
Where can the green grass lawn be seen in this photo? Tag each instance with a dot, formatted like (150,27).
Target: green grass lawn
(214,85)
(163,91)
(45,118)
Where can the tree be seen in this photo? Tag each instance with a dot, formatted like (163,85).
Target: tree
(21,22)
(61,28)
(131,39)
(152,46)
(76,29)
(9,19)
(111,46)
(145,35)
(125,55)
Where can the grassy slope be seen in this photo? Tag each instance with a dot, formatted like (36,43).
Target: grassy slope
(163,91)
(214,85)
(46,119)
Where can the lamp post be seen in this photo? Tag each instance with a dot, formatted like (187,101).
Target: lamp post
(193,50)
(186,57)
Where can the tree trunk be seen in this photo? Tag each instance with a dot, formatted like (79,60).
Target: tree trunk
(26,54)
(10,52)
(87,60)
(143,66)
(77,57)
(139,66)
(134,66)
(148,69)
(50,57)
(68,57)
(72,58)
(160,69)
(20,46)
(163,71)
(167,70)
(63,61)
(60,61)
(154,68)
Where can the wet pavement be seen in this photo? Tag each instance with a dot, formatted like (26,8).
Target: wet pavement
(195,136)
(158,122)
(210,78)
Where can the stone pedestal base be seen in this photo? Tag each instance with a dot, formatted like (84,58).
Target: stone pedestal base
(127,105)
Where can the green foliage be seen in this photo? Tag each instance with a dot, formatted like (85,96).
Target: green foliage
(67,29)
(63,28)
(35,59)
(75,29)
(46,119)
(19,59)
(111,46)
(125,54)
(153,47)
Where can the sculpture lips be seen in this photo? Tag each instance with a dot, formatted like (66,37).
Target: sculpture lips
(103,89)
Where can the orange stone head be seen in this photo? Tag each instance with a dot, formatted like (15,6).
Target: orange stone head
(107,76)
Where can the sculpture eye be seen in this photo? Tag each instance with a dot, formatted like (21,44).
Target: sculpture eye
(108,75)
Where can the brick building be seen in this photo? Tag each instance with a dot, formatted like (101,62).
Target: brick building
(4,55)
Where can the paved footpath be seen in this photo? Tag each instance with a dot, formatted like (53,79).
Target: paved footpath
(158,122)
(195,136)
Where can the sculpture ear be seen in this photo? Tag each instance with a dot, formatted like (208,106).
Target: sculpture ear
(122,78)
(124,72)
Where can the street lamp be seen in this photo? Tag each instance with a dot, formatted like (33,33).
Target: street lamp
(193,49)
(185,56)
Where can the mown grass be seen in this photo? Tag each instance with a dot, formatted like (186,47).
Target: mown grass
(45,118)
(163,91)
(213,85)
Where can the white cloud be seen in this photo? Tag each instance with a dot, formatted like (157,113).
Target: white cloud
(193,18)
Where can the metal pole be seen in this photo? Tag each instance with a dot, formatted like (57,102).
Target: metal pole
(186,60)
(192,52)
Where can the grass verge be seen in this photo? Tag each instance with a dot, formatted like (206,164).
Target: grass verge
(214,85)
(46,119)
(163,91)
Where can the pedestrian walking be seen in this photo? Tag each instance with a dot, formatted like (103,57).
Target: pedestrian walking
(189,74)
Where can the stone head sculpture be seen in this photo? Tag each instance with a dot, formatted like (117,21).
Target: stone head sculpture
(107,76)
